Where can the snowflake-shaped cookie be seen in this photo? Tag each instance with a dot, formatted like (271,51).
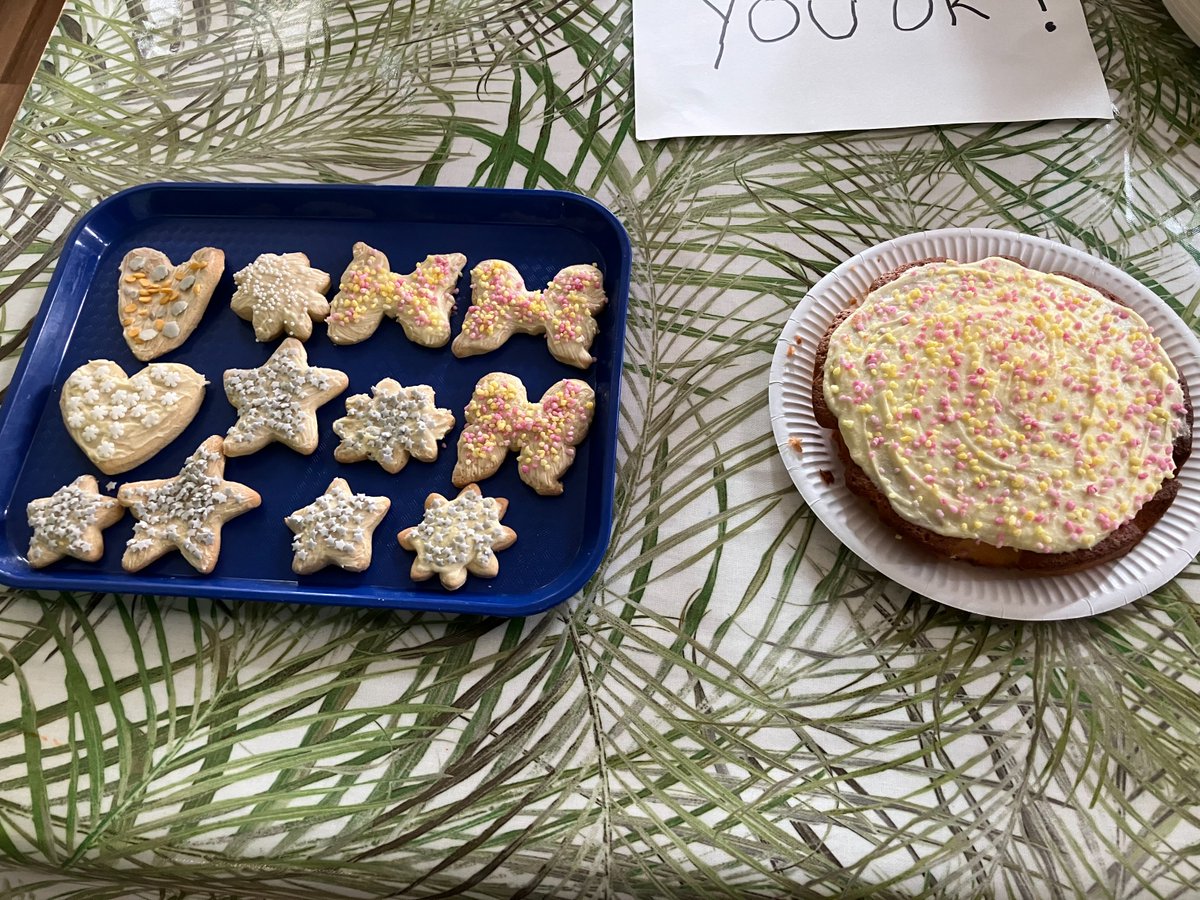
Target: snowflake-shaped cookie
(420,301)
(458,536)
(278,401)
(335,529)
(69,522)
(394,424)
(185,512)
(281,293)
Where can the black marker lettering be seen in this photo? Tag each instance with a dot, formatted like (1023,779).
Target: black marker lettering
(836,37)
(921,24)
(952,5)
(775,23)
(725,17)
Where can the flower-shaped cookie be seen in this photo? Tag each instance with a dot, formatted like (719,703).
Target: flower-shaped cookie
(281,293)
(500,419)
(69,522)
(420,301)
(458,536)
(185,512)
(278,401)
(335,529)
(501,307)
(394,424)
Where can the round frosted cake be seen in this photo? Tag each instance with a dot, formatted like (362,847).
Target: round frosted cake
(1002,415)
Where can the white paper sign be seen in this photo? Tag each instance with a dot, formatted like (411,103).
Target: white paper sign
(708,67)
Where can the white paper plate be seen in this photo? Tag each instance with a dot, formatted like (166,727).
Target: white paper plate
(1162,554)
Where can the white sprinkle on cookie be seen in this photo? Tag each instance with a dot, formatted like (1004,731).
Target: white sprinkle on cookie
(69,522)
(160,303)
(185,512)
(121,421)
(501,307)
(278,401)
(281,293)
(500,419)
(458,536)
(335,529)
(394,424)
(420,301)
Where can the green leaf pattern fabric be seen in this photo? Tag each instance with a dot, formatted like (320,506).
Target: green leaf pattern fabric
(734,706)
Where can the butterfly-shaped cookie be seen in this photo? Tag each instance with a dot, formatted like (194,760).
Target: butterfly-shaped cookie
(420,301)
(500,419)
(501,307)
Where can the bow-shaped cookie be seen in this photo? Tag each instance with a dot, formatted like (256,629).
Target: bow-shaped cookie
(500,419)
(420,301)
(501,307)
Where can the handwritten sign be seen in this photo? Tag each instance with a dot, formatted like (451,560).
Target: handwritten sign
(709,67)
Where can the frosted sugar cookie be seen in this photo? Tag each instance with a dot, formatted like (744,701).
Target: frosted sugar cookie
(185,512)
(160,303)
(69,522)
(281,293)
(501,306)
(420,301)
(500,418)
(458,536)
(394,424)
(335,529)
(120,421)
(278,401)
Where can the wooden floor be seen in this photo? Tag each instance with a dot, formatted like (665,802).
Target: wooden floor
(25,27)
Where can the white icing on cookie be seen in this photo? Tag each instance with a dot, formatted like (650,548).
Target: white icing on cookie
(185,512)
(281,293)
(397,422)
(335,529)
(278,401)
(121,421)
(458,536)
(69,522)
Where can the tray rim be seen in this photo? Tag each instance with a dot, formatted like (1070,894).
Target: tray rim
(438,600)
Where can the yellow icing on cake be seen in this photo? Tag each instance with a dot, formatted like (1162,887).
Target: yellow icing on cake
(989,401)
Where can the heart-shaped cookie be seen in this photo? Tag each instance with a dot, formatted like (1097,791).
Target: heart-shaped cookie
(119,421)
(160,303)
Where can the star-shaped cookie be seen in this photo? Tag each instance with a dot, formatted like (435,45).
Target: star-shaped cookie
(394,424)
(278,401)
(69,522)
(335,529)
(420,301)
(458,536)
(281,293)
(185,512)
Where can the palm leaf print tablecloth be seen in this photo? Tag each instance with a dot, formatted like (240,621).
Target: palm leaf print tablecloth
(735,706)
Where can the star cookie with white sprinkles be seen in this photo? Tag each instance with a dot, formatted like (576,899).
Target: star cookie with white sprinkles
(394,424)
(458,536)
(420,301)
(186,512)
(69,522)
(281,293)
(335,529)
(278,401)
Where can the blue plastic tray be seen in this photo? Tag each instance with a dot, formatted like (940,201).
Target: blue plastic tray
(561,540)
